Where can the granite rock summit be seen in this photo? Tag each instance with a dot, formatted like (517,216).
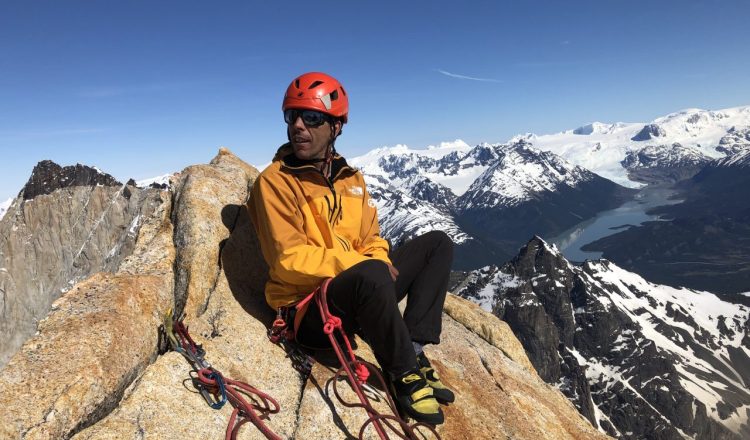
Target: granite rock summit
(94,369)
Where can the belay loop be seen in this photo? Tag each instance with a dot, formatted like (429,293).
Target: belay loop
(356,372)
(210,382)
(276,333)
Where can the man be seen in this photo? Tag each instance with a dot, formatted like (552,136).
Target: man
(315,220)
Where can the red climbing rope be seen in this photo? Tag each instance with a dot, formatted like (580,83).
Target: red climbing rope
(357,372)
(235,392)
(210,382)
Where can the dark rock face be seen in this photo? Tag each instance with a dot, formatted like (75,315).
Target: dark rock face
(48,176)
(649,132)
(590,331)
(86,223)
(434,193)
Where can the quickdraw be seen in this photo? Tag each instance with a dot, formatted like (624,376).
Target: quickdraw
(216,388)
(356,371)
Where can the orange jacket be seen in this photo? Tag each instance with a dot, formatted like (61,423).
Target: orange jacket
(310,229)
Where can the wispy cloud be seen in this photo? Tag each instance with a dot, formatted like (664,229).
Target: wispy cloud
(470,78)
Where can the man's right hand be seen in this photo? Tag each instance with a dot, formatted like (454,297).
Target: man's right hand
(392,269)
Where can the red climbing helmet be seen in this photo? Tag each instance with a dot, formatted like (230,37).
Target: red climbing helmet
(317,91)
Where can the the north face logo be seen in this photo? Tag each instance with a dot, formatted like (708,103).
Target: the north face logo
(356,191)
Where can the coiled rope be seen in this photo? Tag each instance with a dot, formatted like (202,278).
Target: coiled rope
(218,389)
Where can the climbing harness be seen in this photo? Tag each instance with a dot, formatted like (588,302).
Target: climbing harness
(356,371)
(218,389)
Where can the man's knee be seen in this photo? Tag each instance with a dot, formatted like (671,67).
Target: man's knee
(440,237)
(372,273)
(440,240)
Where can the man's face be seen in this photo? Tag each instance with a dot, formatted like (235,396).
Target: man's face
(310,142)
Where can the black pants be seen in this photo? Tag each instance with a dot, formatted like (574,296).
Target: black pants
(366,298)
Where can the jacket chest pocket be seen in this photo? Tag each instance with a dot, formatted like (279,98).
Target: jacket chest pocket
(350,221)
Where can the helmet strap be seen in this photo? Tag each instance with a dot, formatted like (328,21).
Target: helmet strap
(330,152)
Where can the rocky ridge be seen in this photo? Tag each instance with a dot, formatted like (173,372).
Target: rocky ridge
(94,370)
(66,224)
(48,176)
(641,361)
(660,164)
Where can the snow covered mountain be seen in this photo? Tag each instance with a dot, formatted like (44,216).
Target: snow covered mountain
(664,163)
(489,198)
(423,216)
(737,145)
(519,173)
(601,147)
(639,360)
(385,161)
(736,140)
(162,182)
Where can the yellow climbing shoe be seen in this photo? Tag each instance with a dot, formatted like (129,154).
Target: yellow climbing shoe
(415,398)
(440,391)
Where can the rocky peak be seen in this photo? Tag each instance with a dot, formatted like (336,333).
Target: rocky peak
(521,174)
(639,360)
(649,132)
(484,154)
(48,176)
(538,258)
(86,223)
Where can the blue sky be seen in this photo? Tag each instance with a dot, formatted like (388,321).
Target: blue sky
(142,88)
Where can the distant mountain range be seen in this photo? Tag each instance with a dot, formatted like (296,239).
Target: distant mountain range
(638,359)
(491,198)
(601,147)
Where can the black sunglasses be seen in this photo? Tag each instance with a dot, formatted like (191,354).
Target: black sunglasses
(310,118)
